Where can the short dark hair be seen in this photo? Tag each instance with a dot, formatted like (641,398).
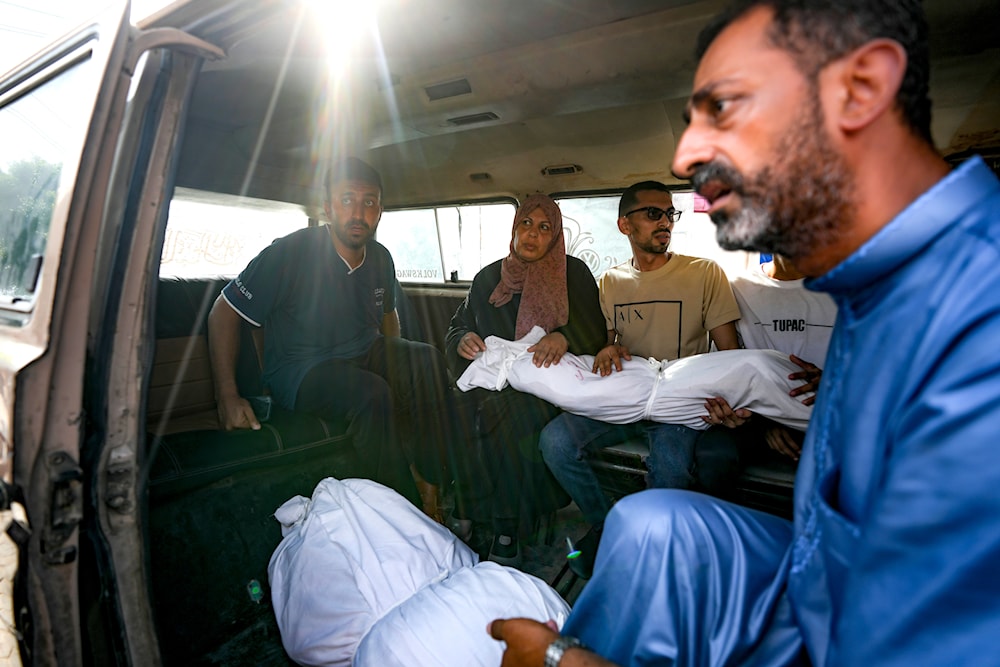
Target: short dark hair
(629,200)
(817,32)
(352,169)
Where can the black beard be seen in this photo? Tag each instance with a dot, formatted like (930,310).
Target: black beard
(793,207)
(651,247)
(341,232)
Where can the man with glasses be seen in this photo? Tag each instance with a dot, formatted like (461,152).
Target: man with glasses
(663,305)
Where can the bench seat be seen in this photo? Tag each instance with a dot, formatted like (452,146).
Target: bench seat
(766,485)
(190,459)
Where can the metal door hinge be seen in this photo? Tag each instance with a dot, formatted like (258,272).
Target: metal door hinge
(66,485)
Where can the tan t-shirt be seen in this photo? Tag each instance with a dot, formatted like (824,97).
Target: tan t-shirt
(667,313)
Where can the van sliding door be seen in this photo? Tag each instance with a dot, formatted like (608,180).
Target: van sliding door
(82,125)
(49,109)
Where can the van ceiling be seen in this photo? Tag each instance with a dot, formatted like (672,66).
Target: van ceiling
(451,88)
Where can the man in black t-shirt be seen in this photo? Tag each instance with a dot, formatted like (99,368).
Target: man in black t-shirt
(326,298)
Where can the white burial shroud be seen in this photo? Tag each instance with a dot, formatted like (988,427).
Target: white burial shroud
(672,392)
(364,578)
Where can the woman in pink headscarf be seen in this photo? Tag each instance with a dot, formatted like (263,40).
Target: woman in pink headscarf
(535,285)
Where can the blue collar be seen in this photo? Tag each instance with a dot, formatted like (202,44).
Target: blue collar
(915,228)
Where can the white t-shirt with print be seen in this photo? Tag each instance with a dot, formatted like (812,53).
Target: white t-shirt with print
(783,315)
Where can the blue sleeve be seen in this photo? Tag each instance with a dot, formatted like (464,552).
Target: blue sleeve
(925,589)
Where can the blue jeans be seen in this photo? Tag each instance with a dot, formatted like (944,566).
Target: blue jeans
(568,441)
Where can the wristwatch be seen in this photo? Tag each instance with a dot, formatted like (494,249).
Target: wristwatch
(554,653)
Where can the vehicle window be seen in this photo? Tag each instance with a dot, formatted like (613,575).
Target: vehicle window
(591,231)
(37,129)
(210,235)
(448,243)
(444,243)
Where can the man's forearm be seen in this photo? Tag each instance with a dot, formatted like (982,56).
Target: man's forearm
(724,336)
(223,347)
(529,642)
(390,325)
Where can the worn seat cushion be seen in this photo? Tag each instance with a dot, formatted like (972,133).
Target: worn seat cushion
(187,449)
(189,459)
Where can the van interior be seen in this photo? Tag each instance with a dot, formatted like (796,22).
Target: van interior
(465,108)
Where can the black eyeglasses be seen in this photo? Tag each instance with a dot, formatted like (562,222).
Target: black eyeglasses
(654,213)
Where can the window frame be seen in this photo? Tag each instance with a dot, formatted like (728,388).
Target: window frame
(247,206)
(446,280)
(731,266)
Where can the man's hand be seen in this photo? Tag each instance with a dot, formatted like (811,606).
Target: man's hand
(470,345)
(780,440)
(235,413)
(810,374)
(526,640)
(610,357)
(549,350)
(719,412)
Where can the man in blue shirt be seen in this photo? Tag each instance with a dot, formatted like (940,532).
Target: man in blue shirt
(810,136)
(325,297)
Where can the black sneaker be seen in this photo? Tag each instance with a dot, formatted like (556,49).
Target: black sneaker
(482,539)
(462,528)
(583,565)
(505,551)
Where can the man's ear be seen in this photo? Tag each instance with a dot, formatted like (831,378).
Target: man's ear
(623,226)
(868,79)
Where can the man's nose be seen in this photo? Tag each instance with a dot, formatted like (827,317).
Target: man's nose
(693,150)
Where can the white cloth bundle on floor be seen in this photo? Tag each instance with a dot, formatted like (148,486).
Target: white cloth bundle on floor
(445,624)
(360,565)
(671,392)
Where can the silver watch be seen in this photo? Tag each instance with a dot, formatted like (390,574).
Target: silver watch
(554,653)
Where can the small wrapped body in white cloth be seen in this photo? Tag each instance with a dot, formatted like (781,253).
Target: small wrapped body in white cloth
(362,577)
(672,392)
